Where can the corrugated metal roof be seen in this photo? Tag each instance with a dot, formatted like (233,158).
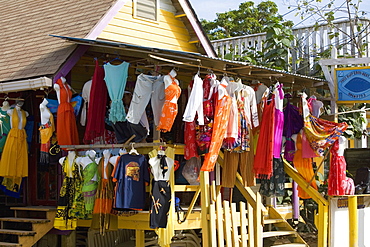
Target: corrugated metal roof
(220,65)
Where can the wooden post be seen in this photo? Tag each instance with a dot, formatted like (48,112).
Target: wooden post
(69,240)
(258,239)
(227,224)
(353,221)
(140,238)
(220,220)
(243,225)
(234,221)
(205,201)
(212,224)
(322,226)
(250,225)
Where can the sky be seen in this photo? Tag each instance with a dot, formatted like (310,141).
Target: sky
(207,9)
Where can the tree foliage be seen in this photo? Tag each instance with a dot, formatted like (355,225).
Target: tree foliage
(332,11)
(248,19)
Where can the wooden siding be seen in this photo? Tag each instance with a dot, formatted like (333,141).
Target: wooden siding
(168,32)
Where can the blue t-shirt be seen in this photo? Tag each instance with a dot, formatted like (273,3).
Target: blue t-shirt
(131,174)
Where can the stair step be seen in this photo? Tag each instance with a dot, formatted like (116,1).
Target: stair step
(35,208)
(290,245)
(17,232)
(26,220)
(272,221)
(10,244)
(278,233)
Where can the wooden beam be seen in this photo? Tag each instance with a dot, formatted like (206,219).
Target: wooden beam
(205,201)
(180,14)
(194,40)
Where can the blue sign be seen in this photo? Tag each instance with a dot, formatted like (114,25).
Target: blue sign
(353,84)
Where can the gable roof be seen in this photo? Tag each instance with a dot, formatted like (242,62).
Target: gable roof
(26,50)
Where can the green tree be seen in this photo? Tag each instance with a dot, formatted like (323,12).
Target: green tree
(248,19)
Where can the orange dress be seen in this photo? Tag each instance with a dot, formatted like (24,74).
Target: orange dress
(66,121)
(221,119)
(304,167)
(169,110)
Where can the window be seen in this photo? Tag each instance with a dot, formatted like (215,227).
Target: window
(146,9)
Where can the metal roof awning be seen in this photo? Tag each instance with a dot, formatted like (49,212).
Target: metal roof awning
(195,61)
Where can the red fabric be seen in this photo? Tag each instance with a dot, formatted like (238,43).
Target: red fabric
(337,182)
(262,166)
(67,133)
(97,106)
(191,147)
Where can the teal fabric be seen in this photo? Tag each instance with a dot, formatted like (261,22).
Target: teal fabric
(4,128)
(116,78)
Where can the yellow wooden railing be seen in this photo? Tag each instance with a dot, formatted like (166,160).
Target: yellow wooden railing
(323,204)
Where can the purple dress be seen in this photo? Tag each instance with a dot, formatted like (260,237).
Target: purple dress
(293,123)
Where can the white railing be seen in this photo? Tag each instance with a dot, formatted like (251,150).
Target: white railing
(308,43)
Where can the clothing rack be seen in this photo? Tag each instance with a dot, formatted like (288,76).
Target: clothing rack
(107,146)
(7,98)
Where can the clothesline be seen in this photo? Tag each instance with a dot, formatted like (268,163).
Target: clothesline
(92,146)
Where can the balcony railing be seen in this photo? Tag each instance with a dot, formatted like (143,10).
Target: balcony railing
(309,42)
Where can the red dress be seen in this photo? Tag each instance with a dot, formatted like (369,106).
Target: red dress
(66,121)
(97,106)
(337,182)
(265,146)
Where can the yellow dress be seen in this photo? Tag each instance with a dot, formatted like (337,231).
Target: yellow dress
(14,159)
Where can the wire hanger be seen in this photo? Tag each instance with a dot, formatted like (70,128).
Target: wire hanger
(133,150)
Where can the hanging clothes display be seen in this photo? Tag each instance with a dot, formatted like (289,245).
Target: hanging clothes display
(4,124)
(204,132)
(90,181)
(169,110)
(263,161)
(71,179)
(293,123)
(222,112)
(14,159)
(147,88)
(193,112)
(46,130)
(320,133)
(161,167)
(275,185)
(86,90)
(337,182)
(67,133)
(304,167)
(116,78)
(279,119)
(104,217)
(165,234)
(131,176)
(95,126)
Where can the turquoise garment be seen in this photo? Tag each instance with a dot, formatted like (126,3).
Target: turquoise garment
(115,78)
(4,128)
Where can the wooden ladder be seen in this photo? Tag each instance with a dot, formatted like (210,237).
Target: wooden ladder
(28,225)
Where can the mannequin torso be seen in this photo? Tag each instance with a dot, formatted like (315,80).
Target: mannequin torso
(44,112)
(57,87)
(20,115)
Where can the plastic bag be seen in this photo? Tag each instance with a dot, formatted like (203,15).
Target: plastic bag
(191,170)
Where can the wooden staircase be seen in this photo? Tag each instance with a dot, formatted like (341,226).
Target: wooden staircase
(28,225)
(278,232)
